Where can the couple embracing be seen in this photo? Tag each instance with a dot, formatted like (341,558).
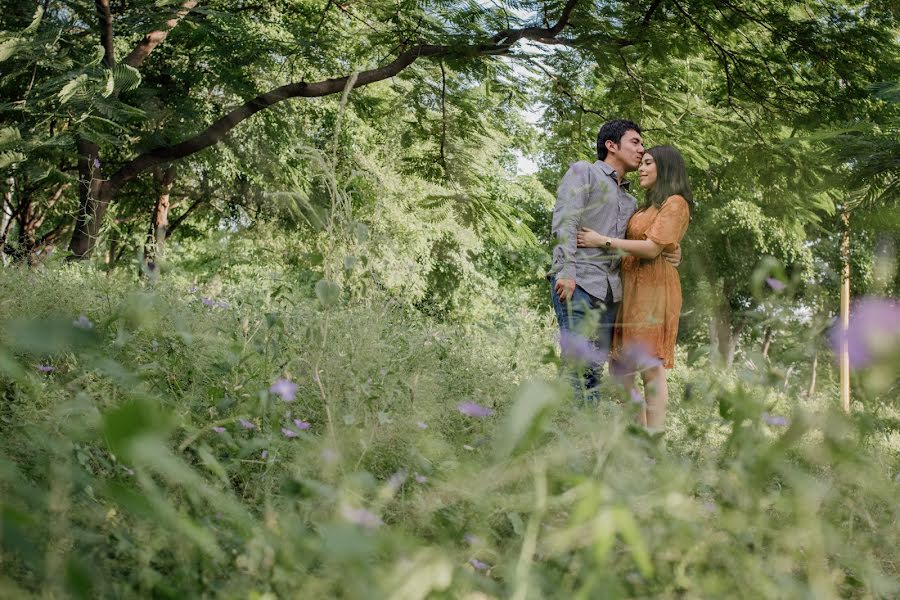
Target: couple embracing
(614,280)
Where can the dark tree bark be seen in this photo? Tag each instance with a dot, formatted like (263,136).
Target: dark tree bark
(154,248)
(153,39)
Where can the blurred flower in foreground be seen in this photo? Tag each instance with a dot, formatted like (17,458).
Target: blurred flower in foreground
(286,390)
(474,410)
(874,330)
(303,425)
(397,480)
(44,368)
(636,397)
(775,420)
(208,301)
(775,284)
(578,349)
(421,478)
(289,432)
(360,516)
(633,359)
(83,322)
(422,425)
(218,429)
(246,424)
(479,565)
(264,454)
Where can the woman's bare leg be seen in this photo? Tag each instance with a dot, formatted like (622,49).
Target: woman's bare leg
(657,395)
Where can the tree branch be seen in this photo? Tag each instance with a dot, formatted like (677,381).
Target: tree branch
(176,222)
(106,32)
(500,44)
(153,39)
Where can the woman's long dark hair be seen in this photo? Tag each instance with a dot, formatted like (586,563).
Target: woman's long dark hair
(671,178)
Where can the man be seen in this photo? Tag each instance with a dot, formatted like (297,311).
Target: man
(585,286)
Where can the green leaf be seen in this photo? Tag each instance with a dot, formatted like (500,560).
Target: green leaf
(536,401)
(36,21)
(429,571)
(126,78)
(8,159)
(328,292)
(631,535)
(8,48)
(71,88)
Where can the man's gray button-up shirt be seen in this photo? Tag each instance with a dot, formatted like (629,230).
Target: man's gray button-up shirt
(589,195)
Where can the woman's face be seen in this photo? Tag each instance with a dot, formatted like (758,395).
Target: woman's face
(647,172)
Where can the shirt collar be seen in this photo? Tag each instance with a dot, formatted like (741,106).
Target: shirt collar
(613,173)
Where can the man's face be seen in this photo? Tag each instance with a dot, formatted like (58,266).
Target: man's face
(630,150)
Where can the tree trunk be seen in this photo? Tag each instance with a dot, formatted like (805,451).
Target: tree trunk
(845,311)
(724,338)
(6,211)
(154,248)
(812,380)
(767,342)
(94,196)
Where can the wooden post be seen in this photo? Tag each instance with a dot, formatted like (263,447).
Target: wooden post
(845,311)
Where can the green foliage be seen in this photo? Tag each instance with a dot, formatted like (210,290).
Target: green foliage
(131,457)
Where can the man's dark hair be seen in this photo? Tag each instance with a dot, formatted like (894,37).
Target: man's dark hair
(613,131)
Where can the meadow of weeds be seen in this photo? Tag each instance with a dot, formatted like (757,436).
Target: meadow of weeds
(182,438)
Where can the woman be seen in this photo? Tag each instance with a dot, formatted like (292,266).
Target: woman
(644,339)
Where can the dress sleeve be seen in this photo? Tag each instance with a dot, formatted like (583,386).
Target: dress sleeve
(670,223)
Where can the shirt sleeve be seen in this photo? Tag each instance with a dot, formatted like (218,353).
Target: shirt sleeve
(571,200)
(670,223)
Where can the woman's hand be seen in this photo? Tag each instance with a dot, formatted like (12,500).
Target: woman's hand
(588,238)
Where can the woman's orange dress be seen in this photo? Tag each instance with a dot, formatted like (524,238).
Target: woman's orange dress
(651,299)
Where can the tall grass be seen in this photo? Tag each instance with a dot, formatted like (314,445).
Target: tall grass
(114,482)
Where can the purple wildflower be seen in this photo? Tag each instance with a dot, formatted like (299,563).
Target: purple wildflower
(480,566)
(221,304)
(633,359)
(285,389)
(82,322)
(421,478)
(397,480)
(874,328)
(96,163)
(422,425)
(208,301)
(474,410)
(775,284)
(246,424)
(578,349)
(264,454)
(774,420)
(218,429)
(636,397)
(303,425)
(192,289)
(44,368)
(361,516)
(289,432)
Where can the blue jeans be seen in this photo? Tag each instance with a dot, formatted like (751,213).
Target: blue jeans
(592,318)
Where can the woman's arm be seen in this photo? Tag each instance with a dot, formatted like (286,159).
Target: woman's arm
(588,238)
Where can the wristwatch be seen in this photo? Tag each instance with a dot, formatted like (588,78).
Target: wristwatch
(608,243)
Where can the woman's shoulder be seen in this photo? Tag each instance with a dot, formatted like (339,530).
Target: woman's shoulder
(677,202)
